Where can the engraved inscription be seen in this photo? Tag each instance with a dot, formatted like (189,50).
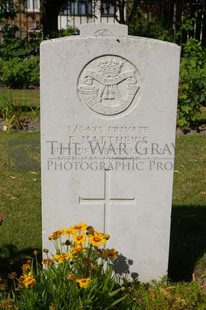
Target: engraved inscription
(103,33)
(125,148)
(109,85)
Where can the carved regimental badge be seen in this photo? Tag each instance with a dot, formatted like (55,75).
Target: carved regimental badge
(109,85)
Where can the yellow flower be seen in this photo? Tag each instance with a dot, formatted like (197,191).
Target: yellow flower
(55,235)
(77,249)
(78,227)
(66,231)
(79,238)
(60,258)
(83,283)
(71,277)
(57,257)
(27,281)
(48,262)
(106,236)
(68,255)
(98,239)
(110,253)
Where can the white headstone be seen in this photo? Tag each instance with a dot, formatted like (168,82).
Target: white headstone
(108,118)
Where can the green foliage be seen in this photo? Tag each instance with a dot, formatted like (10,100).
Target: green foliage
(22,97)
(79,276)
(16,48)
(152,27)
(19,60)
(69,32)
(186,26)
(20,74)
(192,90)
(17,107)
(10,113)
(13,47)
(165,295)
(15,116)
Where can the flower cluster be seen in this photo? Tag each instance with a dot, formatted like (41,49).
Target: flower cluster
(80,254)
(82,248)
(77,239)
(78,274)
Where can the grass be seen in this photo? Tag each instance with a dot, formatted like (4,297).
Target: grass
(21,97)
(20,201)
(190,171)
(18,107)
(203,113)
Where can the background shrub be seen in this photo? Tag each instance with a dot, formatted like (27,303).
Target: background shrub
(192,87)
(20,74)
(19,59)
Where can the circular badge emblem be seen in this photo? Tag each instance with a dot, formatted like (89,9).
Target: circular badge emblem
(109,85)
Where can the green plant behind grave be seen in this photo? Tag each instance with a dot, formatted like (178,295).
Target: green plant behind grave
(14,47)
(19,59)
(192,90)
(20,74)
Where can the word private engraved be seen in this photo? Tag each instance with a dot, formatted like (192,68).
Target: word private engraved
(109,85)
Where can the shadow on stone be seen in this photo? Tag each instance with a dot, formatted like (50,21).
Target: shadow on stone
(121,265)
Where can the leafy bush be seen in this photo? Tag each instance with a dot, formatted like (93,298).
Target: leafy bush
(19,59)
(192,88)
(14,47)
(20,74)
